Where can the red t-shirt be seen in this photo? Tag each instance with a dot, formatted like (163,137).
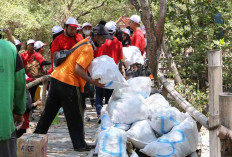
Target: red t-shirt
(112,48)
(63,42)
(28,57)
(138,40)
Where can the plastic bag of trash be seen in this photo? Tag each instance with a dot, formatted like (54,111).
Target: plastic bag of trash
(127,110)
(165,118)
(112,142)
(105,69)
(137,85)
(122,126)
(132,55)
(181,141)
(141,134)
(155,101)
(106,122)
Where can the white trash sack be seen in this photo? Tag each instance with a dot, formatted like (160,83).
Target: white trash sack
(141,134)
(165,118)
(137,85)
(105,69)
(180,142)
(132,55)
(106,123)
(112,142)
(127,110)
(154,101)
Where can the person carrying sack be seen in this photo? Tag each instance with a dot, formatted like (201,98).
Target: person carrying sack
(67,82)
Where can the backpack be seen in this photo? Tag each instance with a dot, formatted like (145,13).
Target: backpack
(61,56)
(33,68)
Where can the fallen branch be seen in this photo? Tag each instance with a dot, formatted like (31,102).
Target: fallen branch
(197,115)
(37,81)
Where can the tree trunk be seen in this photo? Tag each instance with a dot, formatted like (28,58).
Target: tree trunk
(154,32)
(171,64)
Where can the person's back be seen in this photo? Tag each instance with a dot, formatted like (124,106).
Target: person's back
(112,48)
(12,93)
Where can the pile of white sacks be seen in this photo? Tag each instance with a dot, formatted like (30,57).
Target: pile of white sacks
(148,122)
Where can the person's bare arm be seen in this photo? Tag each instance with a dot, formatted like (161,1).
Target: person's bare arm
(80,71)
(9,37)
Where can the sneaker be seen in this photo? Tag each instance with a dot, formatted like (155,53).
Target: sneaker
(86,148)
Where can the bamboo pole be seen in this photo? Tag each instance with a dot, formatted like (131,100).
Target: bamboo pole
(37,81)
(201,118)
(44,92)
(215,87)
(225,100)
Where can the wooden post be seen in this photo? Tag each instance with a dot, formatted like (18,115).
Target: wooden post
(44,92)
(215,87)
(226,120)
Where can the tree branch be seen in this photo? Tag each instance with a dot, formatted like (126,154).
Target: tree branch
(136,5)
(159,29)
(87,12)
(70,5)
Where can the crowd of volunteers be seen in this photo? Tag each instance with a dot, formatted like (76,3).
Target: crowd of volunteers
(70,82)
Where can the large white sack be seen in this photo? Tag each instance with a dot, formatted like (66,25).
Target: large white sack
(165,118)
(154,101)
(132,55)
(106,122)
(137,85)
(112,142)
(104,67)
(180,142)
(122,126)
(127,110)
(141,134)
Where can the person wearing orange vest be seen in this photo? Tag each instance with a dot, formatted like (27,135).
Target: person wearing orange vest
(67,83)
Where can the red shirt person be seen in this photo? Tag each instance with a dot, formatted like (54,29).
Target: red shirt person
(68,39)
(112,48)
(138,38)
(30,55)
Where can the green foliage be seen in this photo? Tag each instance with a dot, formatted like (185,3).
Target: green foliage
(191,31)
(34,19)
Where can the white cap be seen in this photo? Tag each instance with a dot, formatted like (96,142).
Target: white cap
(56,29)
(17,42)
(127,31)
(111,26)
(72,22)
(39,44)
(136,19)
(86,24)
(30,41)
(143,29)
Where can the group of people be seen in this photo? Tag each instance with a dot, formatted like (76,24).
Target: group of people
(68,80)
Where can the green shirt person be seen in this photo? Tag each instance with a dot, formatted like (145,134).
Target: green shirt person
(12,96)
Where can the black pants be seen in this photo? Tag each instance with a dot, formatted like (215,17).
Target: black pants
(63,95)
(20,132)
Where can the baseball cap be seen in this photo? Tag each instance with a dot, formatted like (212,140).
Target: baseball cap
(102,30)
(56,29)
(30,41)
(86,24)
(136,19)
(39,44)
(72,22)
(111,26)
(17,42)
(127,31)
